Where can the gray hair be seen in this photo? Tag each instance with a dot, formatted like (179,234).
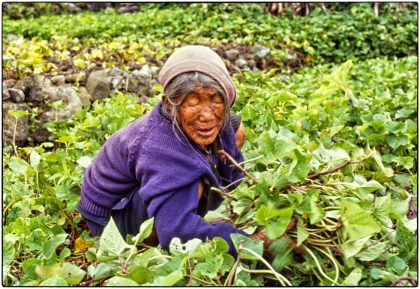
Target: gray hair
(183,84)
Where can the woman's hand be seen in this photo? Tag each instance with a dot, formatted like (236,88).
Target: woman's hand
(261,235)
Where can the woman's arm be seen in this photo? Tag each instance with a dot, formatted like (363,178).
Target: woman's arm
(176,215)
(107,180)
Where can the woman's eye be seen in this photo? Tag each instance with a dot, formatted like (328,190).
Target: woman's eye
(218,99)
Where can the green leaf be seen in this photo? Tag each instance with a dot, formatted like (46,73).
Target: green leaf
(353,278)
(146,229)
(357,223)
(35,159)
(352,247)
(388,172)
(48,249)
(406,241)
(302,233)
(209,268)
(8,252)
(189,248)
(396,265)
(168,280)
(399,208)
(54,281)
(382,209)
(220,245)
(111,240)
(397,141)
(84,161)
(369,187)
(273,146)
(103,270)
(69,272)
(309,207)
(372,252)
(140,274)
(17,114)
(276,228)
(283,253)
(118,281)
(264,214)
(19,166)
(299,168)
(64,254)
(257,246)
(377,273)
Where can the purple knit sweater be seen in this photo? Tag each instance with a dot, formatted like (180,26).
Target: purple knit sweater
(167,169)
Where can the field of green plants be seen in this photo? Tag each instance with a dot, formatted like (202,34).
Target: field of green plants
(331,149)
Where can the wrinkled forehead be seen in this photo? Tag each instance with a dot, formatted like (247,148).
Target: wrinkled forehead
(203,90)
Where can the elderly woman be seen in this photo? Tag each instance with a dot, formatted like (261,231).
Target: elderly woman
(163,164)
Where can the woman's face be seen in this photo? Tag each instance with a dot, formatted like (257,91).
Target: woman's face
(201,115)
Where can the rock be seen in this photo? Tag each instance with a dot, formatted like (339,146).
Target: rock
(75,77)
(117,83)
(145,71)
(128,9)
(16,95)
(22,128)
(154,70)
(260,51)
(241,63)
(25,84)
(115,72)
(72,103)
(9,83)
(252,63)
(72,8)
(133,84)
(144,99)
(37,95)
(84,96)
(98,85)
(232,54)
(41,134)
(6,94)
(58,80)
(40,81)
(12,37)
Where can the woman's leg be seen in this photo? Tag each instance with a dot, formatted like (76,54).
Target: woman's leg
(129,213)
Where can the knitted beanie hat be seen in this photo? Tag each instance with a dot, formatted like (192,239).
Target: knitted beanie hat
(198,58)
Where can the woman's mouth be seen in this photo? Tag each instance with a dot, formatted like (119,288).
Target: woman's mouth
(206,132)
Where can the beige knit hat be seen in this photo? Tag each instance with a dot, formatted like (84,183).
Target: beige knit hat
(198,58)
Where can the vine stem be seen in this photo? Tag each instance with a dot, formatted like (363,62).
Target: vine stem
(191,272)
(318,265)
(233,183)
(221,192)
(232,273)
(283,280)
(232,160)
(317,175)
(337,270)
(14,137)
(251,160)
(411,280)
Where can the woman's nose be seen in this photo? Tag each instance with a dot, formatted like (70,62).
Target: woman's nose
(206,113)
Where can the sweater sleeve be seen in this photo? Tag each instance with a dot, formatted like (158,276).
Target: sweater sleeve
(176,216)
(108,178)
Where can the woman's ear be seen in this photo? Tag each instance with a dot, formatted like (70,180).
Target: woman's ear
(167,103)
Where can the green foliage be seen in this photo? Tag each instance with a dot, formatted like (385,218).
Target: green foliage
(49,40)
(333,150)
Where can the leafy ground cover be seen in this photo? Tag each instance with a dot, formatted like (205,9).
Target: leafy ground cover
(331,156)
(46,43)
(331,151)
